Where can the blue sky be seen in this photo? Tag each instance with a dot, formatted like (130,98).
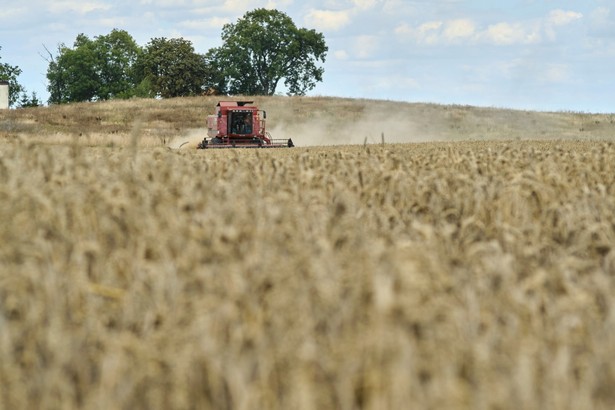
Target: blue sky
(526,54)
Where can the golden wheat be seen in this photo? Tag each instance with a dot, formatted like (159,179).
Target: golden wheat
(436,275)
(433,275)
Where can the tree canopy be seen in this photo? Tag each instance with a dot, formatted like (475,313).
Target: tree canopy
(259,51)
(171,68)
(264,47)
(91,70)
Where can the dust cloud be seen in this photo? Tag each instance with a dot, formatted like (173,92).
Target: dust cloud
(353,128)
(331,125)
(190,140)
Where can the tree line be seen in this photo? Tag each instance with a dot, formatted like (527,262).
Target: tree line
(260,51)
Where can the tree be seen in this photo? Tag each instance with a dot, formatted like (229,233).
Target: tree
(31,101)
(263,48)
(214,79)
(75,78)
(10,73)
(98,69)
(172,68)
(119,52)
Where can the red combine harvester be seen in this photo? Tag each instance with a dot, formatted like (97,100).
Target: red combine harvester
(238,124)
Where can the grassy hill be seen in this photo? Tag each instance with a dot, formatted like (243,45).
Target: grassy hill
(308,120)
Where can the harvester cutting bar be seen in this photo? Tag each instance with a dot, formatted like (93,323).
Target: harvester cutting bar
(274,143)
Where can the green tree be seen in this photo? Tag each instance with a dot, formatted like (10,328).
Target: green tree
(98,69)
(31,101)
(10,73)
(264,47)
(214,78)
(118,52)
(172,68)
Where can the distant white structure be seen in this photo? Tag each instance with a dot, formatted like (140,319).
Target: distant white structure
(4,95)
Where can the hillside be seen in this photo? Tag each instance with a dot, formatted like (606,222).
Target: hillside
(308,120)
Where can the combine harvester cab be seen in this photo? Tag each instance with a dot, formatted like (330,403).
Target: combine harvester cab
(239,124)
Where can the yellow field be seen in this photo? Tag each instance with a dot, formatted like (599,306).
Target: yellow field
(436,275)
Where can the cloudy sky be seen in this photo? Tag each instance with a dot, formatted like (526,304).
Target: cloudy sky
(526,54)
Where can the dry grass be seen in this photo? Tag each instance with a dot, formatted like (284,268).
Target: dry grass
(469,274)
(308,121)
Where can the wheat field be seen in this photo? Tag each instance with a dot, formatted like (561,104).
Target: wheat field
(425,275)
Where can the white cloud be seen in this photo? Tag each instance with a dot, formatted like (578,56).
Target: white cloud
(112,22)
(505,33)
(278,4)
(214,22)
(459,29)
(365,4)
(396,84)
(532,71)
(13,11)
(429,26)
(556,73)
(76,6)
(341,55)
(558,18)
(429,33)
(338,14)
(327,19)
(404,30)
(426,33)
(398,7)
(365,46)
(13,16)
(439,32)
(239,7)
(163,3)
(562,18)
(466,31)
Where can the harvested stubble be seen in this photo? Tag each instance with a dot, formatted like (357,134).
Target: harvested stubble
(436,275)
